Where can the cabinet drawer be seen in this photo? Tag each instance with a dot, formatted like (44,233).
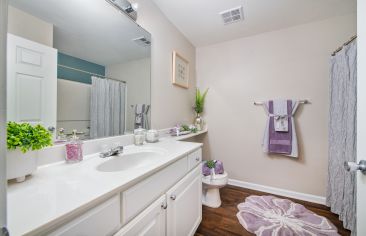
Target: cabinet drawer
(194,158)
(138,197)
(101,220)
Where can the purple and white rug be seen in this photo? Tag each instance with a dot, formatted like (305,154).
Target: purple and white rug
(271,216)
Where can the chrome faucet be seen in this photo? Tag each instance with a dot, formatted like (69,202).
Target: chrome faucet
(112,152)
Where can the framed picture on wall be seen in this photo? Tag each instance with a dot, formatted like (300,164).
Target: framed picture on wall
(180,70)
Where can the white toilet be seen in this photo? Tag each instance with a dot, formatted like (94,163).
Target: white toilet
(210,189)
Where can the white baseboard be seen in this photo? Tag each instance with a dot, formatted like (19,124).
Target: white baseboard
(278,191)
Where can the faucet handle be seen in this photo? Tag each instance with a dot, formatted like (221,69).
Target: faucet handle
(118,149)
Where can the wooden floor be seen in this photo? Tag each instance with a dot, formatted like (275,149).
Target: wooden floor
(222,221)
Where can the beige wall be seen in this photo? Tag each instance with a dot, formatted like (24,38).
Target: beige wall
(73,106)
(27,26)
(289,63)
(170,104)
(137,75)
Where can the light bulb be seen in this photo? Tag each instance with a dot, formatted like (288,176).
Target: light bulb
(135,6)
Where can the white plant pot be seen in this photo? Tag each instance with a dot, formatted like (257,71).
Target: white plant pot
(19,164)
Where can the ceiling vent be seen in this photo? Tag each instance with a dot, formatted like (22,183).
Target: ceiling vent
(232,15)
(142,41)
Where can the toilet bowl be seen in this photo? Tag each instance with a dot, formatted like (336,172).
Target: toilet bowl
(210,189)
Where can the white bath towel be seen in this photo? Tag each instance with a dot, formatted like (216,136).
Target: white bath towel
(280,115)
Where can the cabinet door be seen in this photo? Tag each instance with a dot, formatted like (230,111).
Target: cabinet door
(184,212)
(151,222)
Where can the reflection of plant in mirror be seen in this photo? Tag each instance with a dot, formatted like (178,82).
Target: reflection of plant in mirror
(200,100)
(27,137)
(211,164)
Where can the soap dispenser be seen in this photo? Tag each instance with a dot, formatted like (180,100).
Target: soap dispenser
(74,151)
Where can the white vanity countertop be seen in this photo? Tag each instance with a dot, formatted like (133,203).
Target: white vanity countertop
(60,190)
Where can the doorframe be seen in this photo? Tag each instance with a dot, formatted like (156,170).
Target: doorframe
(3,182)
(361,113)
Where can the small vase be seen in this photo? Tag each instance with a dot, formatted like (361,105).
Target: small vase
(19,164)
(198,122)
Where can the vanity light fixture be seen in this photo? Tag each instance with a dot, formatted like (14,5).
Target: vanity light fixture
(133,7)
(126,7)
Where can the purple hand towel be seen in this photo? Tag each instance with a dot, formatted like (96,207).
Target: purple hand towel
(280,142)
(219,168)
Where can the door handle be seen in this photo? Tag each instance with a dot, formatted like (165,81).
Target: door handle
(4,232)
(51,129)
(352,166)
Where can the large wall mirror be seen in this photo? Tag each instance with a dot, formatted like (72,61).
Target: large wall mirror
(77,65)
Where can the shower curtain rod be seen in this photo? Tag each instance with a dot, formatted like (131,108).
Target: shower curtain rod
(89,73)
(345,44)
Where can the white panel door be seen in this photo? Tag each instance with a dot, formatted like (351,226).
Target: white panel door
(361,115)
(151,222)
(31,82)
(185,205)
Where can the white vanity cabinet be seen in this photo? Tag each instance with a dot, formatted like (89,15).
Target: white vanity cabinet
(166,203)
(178,212)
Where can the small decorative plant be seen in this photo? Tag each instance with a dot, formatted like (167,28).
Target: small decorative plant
(200,100)
(211,164)
(27,137)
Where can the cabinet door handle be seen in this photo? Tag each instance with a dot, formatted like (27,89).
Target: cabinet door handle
(197,158)
(164,205)
(173,197)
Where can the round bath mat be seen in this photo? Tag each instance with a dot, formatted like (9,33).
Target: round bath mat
(272,216)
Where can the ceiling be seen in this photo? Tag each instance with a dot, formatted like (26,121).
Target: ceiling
(91,30)
(200,22)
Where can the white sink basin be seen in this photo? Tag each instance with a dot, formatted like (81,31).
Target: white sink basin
(131,159)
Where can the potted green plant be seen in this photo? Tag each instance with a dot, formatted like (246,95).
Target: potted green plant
(199,104)
(23,140)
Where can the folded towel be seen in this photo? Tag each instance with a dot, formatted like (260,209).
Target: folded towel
(273,142)
(280,113)
(279,142)
(139,117)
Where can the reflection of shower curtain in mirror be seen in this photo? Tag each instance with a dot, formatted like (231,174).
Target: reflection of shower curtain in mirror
(107,107)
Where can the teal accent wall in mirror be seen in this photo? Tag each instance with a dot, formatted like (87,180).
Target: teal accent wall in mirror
(72,68)
(92,79)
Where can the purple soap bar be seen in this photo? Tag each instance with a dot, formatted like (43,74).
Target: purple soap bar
(205,170)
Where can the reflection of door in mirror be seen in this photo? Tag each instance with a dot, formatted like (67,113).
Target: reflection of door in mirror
(31,82)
